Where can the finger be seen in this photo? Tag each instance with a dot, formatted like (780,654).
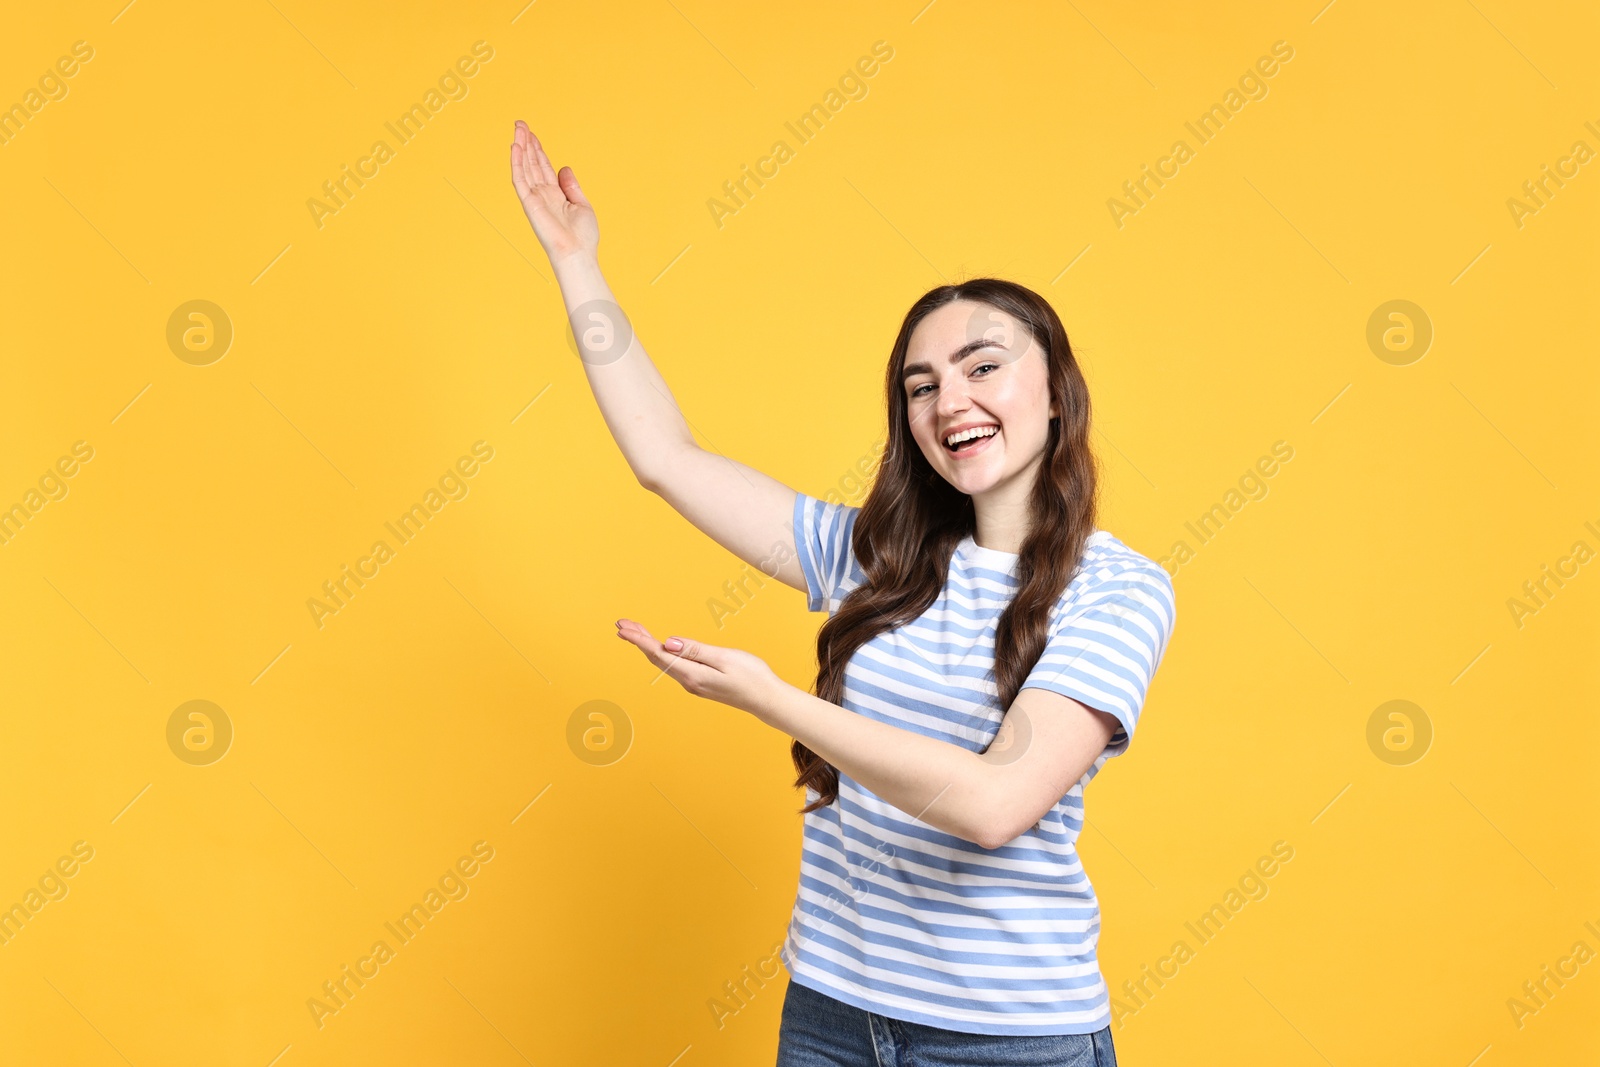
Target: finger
(670,661)
(542,161)
(682,646)
(638,636)
(686,672)
(636,633)
(519,172)
(520,137)
(536,166)
(569,185)
(713,657)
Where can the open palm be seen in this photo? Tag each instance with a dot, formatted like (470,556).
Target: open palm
(557,209)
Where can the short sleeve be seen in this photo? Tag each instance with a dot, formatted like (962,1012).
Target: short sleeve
(822,532)
(1105,648)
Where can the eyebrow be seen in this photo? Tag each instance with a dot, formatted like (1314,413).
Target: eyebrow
(955,357)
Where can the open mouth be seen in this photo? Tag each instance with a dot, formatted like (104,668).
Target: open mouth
(971,440)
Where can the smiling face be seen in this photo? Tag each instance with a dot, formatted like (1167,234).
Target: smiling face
(997,384)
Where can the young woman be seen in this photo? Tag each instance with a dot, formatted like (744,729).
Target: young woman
(988,650)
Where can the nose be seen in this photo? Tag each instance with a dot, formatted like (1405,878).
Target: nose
(953,397)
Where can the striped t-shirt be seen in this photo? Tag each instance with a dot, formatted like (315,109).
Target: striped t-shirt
(898,918)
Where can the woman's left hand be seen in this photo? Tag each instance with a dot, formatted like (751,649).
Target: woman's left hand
(727,675)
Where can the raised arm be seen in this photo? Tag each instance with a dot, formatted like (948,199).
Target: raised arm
(743,510)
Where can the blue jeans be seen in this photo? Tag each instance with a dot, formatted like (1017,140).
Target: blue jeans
(819,1031)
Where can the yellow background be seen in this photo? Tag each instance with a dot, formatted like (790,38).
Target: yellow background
(370,353)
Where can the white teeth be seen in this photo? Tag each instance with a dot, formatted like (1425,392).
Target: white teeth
(967,435)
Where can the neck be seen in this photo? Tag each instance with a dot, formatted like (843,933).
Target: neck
(1002,517)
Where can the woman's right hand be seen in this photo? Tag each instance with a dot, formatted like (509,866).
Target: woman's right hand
(557,209)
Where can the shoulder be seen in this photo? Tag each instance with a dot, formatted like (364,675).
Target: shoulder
(1114,576)
(1105,557)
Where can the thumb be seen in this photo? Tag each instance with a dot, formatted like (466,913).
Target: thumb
(569,185)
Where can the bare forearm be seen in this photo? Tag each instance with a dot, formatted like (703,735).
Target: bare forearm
(941,784)
(634,399)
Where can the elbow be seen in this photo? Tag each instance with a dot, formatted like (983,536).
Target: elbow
(997,820)
(986,824)
(1002,824)
(653,474)
(995,835)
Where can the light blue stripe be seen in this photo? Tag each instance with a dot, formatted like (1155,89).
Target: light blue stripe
(1071,891)
(910,970)
(844,836)
(915,943)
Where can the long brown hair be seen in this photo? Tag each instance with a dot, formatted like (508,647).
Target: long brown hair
(912,520)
